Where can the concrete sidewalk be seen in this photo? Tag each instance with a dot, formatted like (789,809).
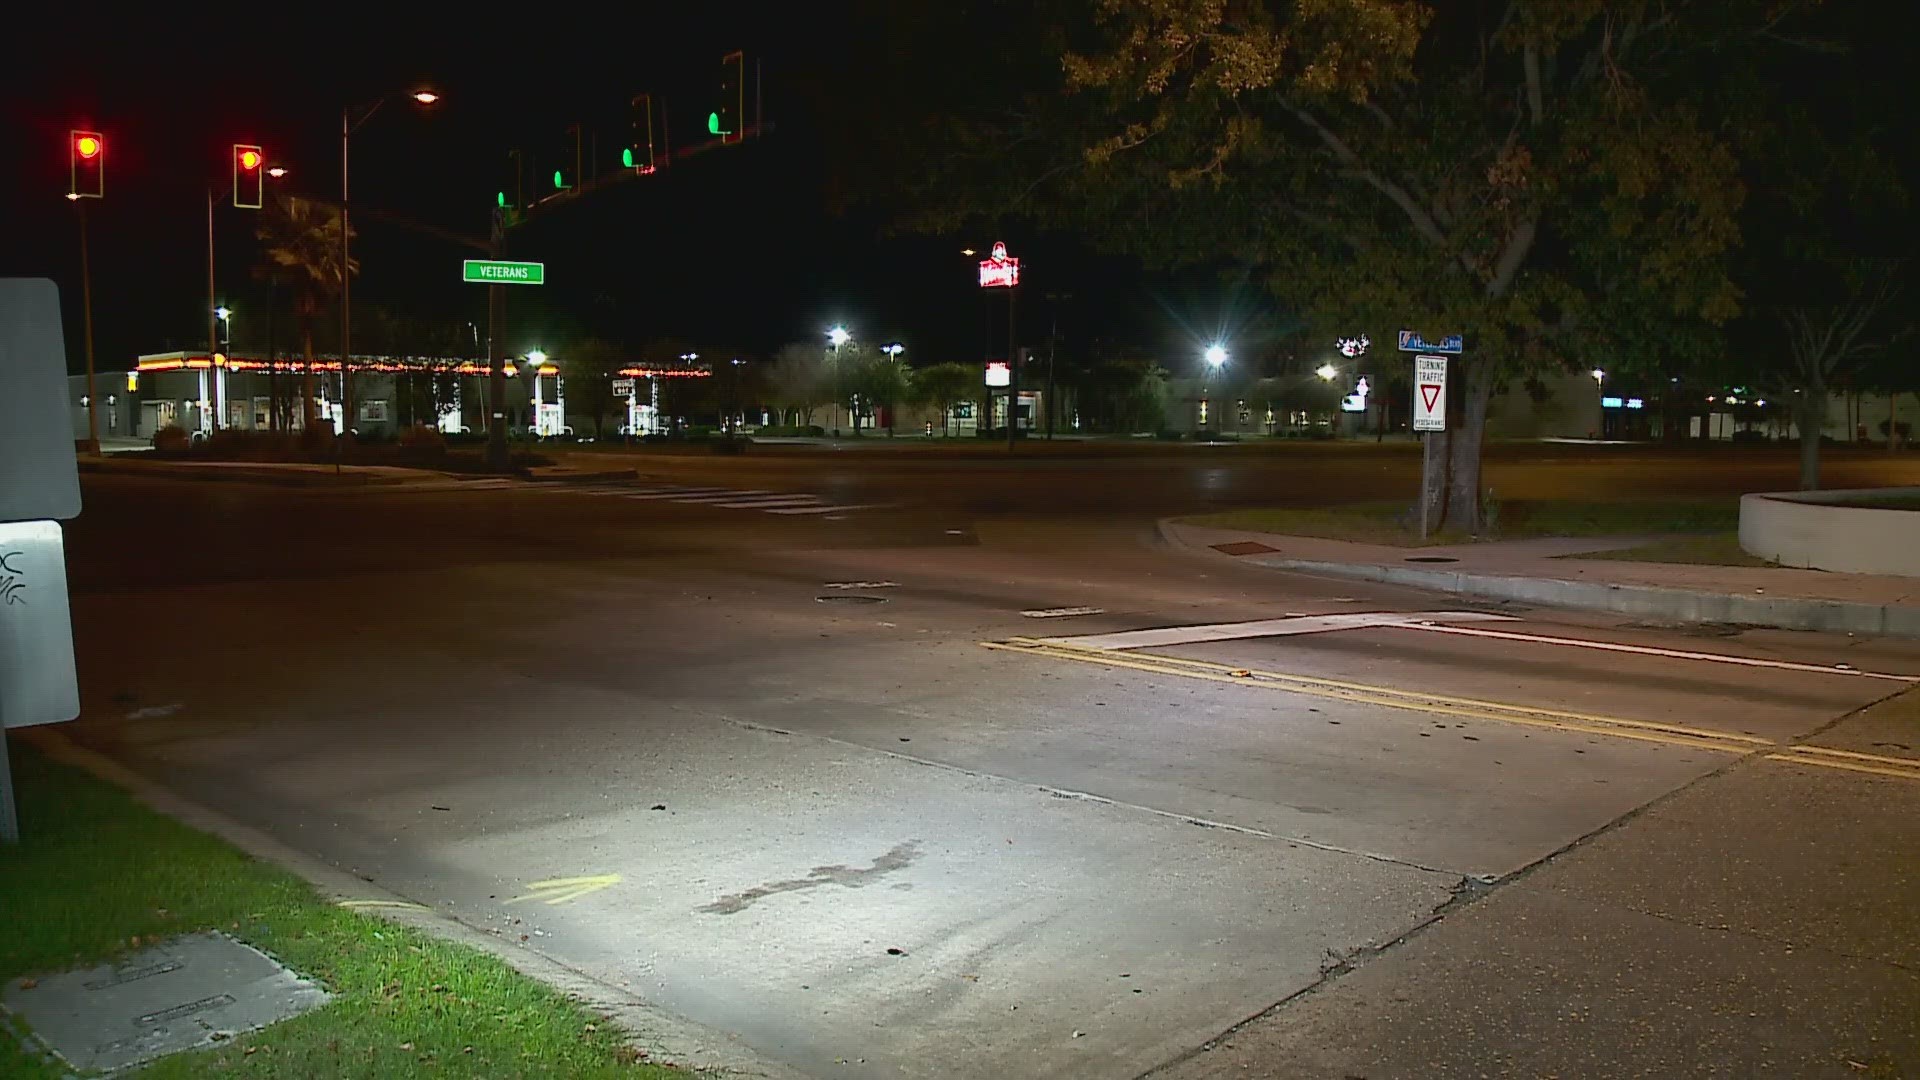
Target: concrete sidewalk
(1536,571)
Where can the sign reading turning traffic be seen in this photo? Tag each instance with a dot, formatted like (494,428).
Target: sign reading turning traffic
(1429,393)
(485,272)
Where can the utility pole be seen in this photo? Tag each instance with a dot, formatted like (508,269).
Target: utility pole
(1013,373)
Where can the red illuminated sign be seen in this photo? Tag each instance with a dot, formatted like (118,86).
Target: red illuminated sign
(999,373)
(999,271)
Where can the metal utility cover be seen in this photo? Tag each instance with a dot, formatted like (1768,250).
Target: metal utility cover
(191,992)
(39,479)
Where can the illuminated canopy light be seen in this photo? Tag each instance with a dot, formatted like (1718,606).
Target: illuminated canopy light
(88,146)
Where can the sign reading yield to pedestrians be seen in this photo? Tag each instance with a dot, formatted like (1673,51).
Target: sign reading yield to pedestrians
(1429,393)
(488,272)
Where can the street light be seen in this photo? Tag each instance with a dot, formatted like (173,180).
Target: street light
(1216,355)
(348,125)
(217,312)
(1326,371)
(893,349)
(838,336)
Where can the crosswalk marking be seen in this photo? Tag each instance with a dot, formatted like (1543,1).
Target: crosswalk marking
(768,502)
(830,508)
(722,496)
(673,493)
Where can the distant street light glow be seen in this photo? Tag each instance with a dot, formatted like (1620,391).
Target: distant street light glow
(1216,355)
(1326,371)
(426,97)
(536,358)
(1597,374)
(839,336)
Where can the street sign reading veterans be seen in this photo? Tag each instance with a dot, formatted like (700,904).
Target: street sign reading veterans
(1451,345)
(487,272)
(1429,393)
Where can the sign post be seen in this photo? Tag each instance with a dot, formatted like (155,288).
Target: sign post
(39,487)
(1429,411)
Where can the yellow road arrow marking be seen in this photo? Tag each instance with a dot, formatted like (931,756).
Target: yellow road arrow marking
(561,890)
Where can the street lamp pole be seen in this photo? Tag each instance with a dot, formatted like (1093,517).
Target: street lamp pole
(347,126)
(86,308)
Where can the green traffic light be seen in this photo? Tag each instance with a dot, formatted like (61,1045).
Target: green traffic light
(626,157)
(713,124)
(558,180)
(500,198)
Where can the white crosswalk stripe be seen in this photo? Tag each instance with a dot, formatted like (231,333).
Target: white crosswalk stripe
(768,502)
(830,508)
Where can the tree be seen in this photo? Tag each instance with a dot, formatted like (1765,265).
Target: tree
(1540,176)
(943,386)
(1827,231)
(589,367)
(881,381)
(798,381)
(303,236)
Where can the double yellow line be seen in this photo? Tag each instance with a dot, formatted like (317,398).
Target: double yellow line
(1469,708)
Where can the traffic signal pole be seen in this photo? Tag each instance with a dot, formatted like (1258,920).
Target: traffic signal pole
(86,309)
(496,356)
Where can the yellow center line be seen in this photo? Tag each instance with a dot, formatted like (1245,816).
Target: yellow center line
(1470,708)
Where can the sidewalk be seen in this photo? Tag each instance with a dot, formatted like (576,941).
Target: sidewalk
(1531,571)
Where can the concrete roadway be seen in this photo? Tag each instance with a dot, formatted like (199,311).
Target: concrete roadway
(832,821)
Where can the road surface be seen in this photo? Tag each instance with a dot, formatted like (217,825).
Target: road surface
(963,775)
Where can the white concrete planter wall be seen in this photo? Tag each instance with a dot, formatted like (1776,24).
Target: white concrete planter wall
(1818,530)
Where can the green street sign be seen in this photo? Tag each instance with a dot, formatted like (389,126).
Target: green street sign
(485,272)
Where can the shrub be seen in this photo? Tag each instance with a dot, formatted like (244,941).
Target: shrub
(729,444)
(1168,436)
(420,437)
(317,437)
(172,438)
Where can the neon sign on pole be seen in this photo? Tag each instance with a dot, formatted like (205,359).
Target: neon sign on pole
(999,271)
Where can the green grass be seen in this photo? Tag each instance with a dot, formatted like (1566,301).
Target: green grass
(1393,522)
(1715,549)
(98,875)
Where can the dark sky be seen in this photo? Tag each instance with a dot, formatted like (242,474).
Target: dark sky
(739,248)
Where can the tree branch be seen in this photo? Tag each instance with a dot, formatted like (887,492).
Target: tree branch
(1423,222)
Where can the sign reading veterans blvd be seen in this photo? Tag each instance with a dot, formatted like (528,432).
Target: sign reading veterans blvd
(485,272)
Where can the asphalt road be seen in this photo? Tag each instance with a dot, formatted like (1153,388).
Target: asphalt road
(815,779)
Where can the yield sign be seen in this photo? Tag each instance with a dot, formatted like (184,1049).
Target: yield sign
(1430,399)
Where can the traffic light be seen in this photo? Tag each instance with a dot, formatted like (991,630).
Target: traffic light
(638,153)
(86,165)
(566,161)
(511,195)
(249,176)
(727,119)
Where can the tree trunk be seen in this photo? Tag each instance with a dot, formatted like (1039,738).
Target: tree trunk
(1464,512)
(1812,417)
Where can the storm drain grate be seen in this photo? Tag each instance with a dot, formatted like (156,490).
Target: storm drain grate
(851,598)
(1431,558)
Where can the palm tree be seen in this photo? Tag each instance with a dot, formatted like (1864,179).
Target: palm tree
(303,236)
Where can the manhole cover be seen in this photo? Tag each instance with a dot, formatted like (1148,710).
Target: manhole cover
(851,598)
(1431,558)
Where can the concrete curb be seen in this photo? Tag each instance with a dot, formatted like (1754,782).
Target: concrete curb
(1642,601)
(664,1036)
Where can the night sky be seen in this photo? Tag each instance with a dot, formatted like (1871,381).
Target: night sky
(742,248)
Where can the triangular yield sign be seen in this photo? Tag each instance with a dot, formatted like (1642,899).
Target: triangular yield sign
(1429,393)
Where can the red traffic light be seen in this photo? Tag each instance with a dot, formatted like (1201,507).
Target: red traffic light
(88,146)
(250,158)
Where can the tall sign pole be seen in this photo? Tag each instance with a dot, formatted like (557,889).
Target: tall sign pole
(1001,271)
(1430,412)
